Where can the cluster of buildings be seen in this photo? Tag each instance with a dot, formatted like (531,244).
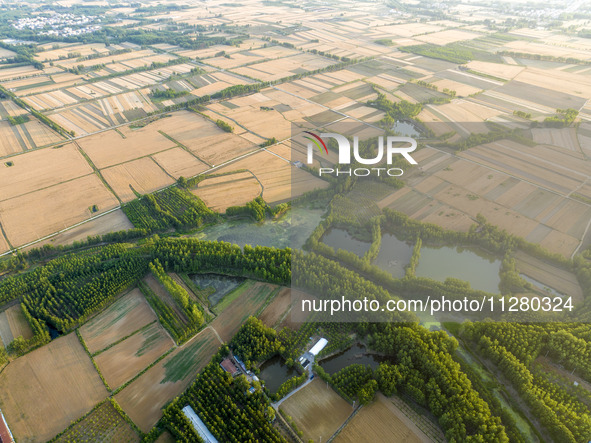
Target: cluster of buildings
(62,25)
(234,366)
(307,359)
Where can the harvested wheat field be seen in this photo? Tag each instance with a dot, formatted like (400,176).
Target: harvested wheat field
(179,163)
(381,421)
(128,314)
(310,406)
(137,351)
(276,69)
(144,398)
(10,143)
(534,164)
(203,138)
(277,309)
(561,280)
(41,169)
(42,392)
(564,137)
(110,148)
(114,221)
(40,133)
(143,176)
(33,216)
(278,176)
(219,193)
(13,324)
(495,69)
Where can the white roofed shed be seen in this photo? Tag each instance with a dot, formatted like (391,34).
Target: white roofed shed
(319,346)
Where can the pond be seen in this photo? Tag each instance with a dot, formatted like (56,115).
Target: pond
(394,255)
(341,239)
(541,286)
(405,129)
(290,230)
(220,283)
(477,268)
(274,372)
(356,354)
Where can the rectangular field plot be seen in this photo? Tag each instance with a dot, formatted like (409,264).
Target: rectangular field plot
(277,309)
(179,163)
(13,324)
(112,222)
(240,304)
(31,134)
(308,409)
(541,95)
(203,138)
(381,421)
(144,398)
(35,215)
(276,69)
(10,140)
(564,137)
(253,56)
(561,280)
(280,179)
(18,71)
(38,134)
(41,169)
(219,193)
(137,351)
(42,392)
(125,316)
(534,164)
(110,148)
(103,424)
(142,175)
(100,114)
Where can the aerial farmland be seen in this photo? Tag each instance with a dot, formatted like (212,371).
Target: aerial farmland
(173,183)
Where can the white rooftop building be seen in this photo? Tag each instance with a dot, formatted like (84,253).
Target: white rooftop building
(319,346)
(199,425)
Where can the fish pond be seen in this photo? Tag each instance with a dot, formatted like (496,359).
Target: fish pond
(221,284)
(341,239)
(274,372)
(356,354)
(479,269)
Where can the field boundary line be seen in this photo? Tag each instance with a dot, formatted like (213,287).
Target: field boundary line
(160,166)
(94,363)
(157,318)
(7,240)
(180,145)
(97,171)
(12,251)
(338,431)
(48,187)
(582,240)
(122,339)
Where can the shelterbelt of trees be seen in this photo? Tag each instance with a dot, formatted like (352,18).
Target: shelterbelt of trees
(562,408)
(64,291)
